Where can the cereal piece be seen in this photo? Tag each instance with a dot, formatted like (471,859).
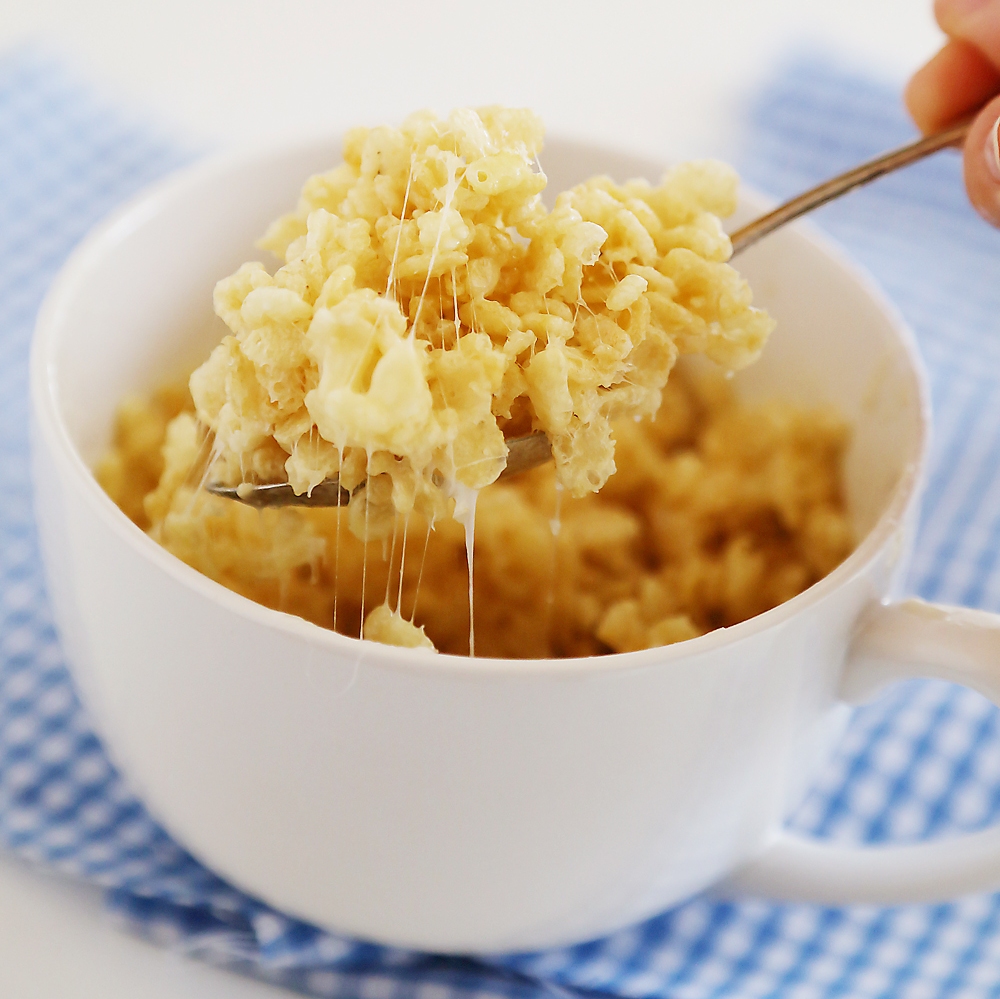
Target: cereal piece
(625,629)
(388,627)
(133,466)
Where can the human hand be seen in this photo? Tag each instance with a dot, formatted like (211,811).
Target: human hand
(956,81)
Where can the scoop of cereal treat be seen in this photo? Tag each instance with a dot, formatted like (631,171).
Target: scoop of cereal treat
(430,306)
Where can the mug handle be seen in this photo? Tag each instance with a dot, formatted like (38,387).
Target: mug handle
(897,641)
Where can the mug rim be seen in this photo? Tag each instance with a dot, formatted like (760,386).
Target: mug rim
(47,421)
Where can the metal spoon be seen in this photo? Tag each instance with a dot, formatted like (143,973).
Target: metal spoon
(534,449)
(523,453)
(844,182)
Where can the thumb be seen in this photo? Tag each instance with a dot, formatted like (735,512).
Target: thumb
(960,73)
(981,160)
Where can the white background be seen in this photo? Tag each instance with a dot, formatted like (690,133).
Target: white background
(651,76)
(666,78)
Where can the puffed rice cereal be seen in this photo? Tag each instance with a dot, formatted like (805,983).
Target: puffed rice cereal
(718,511)
(428,307)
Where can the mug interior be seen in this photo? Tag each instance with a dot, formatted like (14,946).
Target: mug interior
(136,311)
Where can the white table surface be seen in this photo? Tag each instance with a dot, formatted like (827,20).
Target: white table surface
(664,78)
(56,942)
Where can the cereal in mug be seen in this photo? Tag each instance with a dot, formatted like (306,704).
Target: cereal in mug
(719,511)
(429,306)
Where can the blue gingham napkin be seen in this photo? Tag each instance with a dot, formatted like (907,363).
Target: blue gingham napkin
(922,761)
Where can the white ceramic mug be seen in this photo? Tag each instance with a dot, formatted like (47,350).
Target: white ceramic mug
(451,804)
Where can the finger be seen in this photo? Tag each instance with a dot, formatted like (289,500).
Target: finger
(974,21)
(981,161)
(954,83)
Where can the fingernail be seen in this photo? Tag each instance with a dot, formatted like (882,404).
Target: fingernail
(993,150)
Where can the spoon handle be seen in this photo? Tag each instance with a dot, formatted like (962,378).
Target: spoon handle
(845,182)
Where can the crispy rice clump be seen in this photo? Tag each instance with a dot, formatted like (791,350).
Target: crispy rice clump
(429,306)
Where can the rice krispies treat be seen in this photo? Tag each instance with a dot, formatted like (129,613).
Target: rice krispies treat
(719,511)
(429,306)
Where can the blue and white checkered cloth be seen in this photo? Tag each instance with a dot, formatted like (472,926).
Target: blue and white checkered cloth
(922,761)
